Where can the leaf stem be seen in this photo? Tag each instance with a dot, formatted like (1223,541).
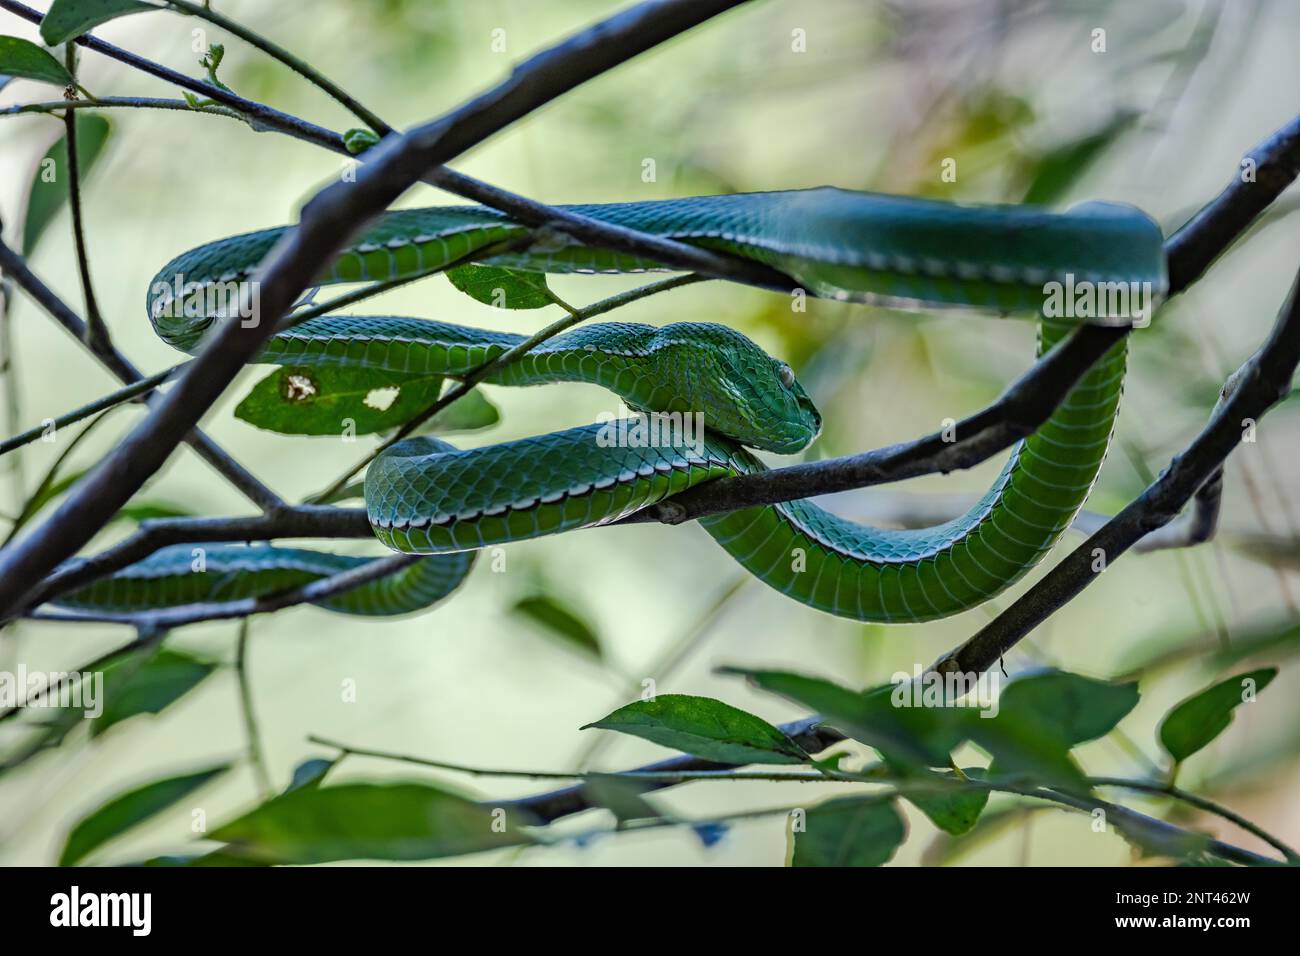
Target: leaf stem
(295,63)
(256,756)
(97,337)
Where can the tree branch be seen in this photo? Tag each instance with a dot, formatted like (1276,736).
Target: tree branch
(124,394)
(1263,381)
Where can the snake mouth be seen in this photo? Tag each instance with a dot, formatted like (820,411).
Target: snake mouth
(794,439)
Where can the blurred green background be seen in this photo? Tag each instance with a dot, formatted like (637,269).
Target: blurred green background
(1013,91)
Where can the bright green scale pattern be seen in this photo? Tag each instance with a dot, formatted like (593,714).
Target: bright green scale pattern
(423,496)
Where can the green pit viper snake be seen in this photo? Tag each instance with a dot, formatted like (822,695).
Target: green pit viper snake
(425,497)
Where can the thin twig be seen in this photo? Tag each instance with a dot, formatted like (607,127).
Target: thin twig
(97,337)
(1200,803)
(256,756)
(124,394)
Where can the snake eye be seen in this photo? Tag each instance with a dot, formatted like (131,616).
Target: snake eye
(786,374)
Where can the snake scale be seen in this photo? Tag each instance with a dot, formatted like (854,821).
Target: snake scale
(425,497)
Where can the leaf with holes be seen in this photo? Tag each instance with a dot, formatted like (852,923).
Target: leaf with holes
(502,288)
(23,59)
(1202,717)
(71,18)
(849,831)
(49,189)
(334,400)
(704,727)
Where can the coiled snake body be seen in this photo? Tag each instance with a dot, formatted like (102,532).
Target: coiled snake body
(425,497)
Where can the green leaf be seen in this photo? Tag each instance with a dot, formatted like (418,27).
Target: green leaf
(131,689)
(49,190)
(914,736)
(51,491)
(849,831)
(1072,707)
(71,18)
(1032,733)
(954,811)
(561,622)
(1041,717)
(992,824)
(1056,171)
(368,821)
(151,510)
(322,399)
(468,413)
(502,288)
(129,809)
(24,59)
(704,727)
(1202,717)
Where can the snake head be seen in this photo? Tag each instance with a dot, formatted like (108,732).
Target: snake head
(743,392)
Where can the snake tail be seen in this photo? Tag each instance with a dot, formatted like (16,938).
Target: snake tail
(192,574)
